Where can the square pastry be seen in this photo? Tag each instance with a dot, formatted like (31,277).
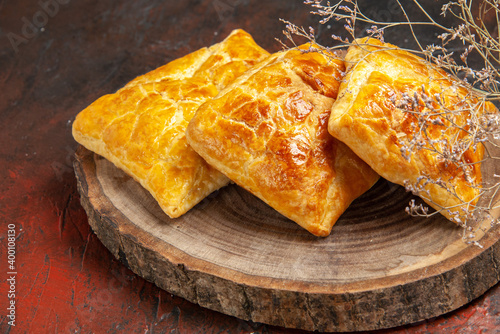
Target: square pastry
(141,127)
(402,115)
(267,131)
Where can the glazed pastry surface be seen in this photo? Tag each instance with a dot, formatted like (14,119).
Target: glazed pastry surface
(385,87)
(267,131)
(141,127)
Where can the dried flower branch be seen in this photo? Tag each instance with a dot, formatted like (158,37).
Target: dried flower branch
(470,52)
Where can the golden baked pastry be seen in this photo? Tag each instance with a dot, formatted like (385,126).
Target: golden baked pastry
(385,88)
(141,127)
(267,131)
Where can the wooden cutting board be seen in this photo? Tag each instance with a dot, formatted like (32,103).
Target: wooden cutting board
(234,254)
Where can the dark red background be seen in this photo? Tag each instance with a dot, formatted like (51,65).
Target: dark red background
(66,279)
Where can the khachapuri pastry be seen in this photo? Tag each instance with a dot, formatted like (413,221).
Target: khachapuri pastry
(401,115)
(267,131)
(141,127)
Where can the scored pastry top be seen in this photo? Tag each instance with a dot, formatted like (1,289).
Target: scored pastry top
(267,131)
(141,127)
(401,114)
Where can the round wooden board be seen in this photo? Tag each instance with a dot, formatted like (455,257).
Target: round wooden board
(232,253)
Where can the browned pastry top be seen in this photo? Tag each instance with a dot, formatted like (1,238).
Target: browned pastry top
(375,115)
(267,131)
(140,128)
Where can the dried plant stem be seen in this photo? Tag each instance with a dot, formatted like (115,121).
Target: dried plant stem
(465,127)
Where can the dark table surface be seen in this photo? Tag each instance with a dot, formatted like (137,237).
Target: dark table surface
(56,57)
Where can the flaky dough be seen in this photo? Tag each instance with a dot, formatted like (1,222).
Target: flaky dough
(374,115)
(141,127)
(267,131)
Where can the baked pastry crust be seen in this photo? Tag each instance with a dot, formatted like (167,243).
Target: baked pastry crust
(369,119)
(140,128)
(267,131)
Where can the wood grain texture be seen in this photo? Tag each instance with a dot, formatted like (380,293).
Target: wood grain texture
(68,282)
(232,253)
